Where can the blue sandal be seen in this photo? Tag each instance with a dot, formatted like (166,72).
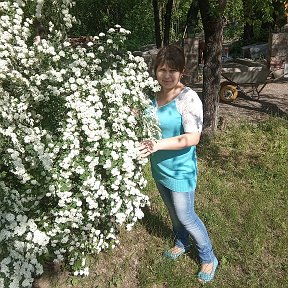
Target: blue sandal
(207,277)
(170,255)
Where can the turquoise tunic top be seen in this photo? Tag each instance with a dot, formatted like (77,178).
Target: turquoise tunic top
(177,169)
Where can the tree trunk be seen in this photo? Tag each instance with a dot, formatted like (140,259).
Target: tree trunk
(249,14)
(192,18)
(158,37)
(248,32)
(213,30)
(167,22)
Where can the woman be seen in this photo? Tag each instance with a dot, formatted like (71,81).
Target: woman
(173,158)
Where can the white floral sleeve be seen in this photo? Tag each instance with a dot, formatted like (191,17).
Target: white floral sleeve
(189,106)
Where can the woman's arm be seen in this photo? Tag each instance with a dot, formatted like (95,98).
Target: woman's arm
(148,147)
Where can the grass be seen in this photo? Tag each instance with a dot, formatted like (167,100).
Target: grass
(242,198)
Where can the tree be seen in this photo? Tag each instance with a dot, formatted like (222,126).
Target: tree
(262,16)
(166,27)
(157,25)
(167,22)
(248,14)
(192,18)
(211,14)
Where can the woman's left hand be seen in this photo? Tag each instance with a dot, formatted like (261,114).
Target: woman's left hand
(147,147)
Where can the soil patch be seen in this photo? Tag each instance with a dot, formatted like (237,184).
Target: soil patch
(273,100)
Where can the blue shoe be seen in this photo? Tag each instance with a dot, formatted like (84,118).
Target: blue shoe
(207,277)
(169,254)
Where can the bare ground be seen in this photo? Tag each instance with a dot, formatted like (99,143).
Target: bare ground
(273,100)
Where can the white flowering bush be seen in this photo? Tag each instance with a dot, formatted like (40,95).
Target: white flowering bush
(71,118)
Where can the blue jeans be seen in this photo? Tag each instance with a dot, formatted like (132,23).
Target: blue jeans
(186,222)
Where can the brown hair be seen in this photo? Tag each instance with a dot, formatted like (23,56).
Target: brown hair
(172,55)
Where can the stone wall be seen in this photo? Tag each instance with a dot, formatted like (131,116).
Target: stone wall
(149,53)
(191,51)
(278,44)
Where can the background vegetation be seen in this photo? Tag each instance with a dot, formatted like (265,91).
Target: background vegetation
(97,16)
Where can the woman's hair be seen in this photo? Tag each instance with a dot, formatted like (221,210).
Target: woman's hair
(172,55)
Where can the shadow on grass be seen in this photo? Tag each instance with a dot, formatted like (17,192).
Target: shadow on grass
(155,226)
(210,151)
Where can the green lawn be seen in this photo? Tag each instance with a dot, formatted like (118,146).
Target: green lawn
(242,198)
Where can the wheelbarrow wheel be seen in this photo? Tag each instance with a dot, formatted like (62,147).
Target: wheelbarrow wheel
(228,92)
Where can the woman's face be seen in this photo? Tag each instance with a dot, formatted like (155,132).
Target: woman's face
(167,77)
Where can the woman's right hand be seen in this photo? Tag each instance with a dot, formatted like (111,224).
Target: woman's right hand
(147,147)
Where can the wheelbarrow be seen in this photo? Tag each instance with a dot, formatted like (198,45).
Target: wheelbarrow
(239,73)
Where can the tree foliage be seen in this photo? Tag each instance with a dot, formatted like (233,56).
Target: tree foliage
(252,20)
(96,16)
(136,16)
(139,16)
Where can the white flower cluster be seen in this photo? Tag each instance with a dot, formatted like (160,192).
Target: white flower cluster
(70,122)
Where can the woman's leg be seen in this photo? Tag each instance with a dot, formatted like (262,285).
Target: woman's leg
(186,221)
(181,234)
(183,203)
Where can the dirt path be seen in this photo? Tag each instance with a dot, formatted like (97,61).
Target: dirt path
(273,101)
